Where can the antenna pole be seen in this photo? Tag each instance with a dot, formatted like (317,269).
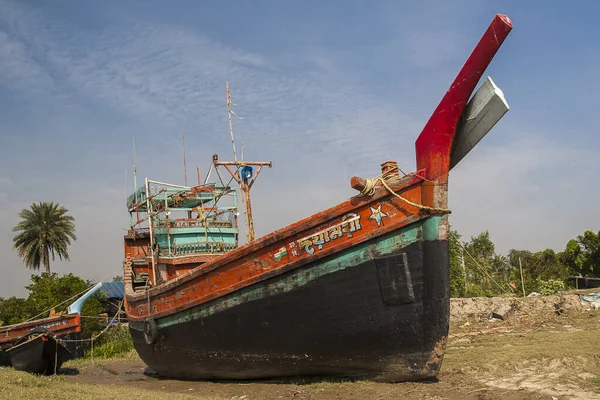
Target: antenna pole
(134,172)
(230,122)
(184,165)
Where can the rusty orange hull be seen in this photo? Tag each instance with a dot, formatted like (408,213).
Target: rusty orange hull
(359,290)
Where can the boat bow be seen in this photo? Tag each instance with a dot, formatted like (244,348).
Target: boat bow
(434,144)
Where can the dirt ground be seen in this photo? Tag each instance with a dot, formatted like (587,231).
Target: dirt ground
(541,351)
(130,373)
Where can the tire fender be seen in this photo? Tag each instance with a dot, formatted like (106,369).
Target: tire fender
(150,331)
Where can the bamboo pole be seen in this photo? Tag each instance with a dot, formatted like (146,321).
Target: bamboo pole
(462,259)
(522,281)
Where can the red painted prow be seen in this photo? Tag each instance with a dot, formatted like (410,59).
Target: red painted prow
(435,141)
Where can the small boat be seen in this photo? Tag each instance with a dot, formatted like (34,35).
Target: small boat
(27,346)
(360,290)
(38,352)
(66,326)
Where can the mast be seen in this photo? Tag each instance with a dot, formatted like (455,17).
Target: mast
(184,165)
(230,121)
(243,173)
(242,146)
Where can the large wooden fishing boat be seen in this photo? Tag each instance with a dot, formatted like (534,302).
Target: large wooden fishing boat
(360,290)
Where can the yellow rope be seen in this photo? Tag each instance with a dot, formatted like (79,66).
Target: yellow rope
(392,175)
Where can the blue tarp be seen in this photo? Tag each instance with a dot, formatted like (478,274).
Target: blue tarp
(593,299)
(113,290)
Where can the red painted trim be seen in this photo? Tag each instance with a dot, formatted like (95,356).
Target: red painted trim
(435,141)
(59,325)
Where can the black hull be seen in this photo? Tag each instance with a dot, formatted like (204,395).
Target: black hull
(383,319)
(39,355)
(4,359)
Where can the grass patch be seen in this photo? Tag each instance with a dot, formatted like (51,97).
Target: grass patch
(114,343)
(594,384)
(17,385)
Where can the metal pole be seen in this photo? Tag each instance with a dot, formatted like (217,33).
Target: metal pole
(184,165)
(208,174)
(134,173)
(151,231)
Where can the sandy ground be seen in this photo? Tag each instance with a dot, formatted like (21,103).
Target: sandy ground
(130,373)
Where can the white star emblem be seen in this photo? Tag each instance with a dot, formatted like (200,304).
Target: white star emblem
(377,214)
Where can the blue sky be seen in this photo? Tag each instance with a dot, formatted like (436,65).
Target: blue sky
(329,89)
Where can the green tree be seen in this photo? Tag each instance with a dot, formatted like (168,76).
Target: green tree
(475,269)
(53,291)
(482,248)
(13,310)
(541,270)
(480,258)
(47,291)
(582,255)
(573,257)
(590,247)
(45,231)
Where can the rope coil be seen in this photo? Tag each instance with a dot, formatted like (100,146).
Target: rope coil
(392,175)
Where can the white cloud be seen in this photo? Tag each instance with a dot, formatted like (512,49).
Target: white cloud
(531,193)
(18,67)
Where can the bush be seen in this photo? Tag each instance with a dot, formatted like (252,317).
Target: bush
(475,290)
(114,343)
(551,286)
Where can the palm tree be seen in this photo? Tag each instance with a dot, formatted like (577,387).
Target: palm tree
(44,231)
